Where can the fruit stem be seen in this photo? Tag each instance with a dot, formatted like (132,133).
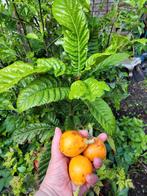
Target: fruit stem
(90,128)
(76,193)
(90,141)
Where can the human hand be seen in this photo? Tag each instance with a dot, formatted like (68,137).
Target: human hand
(57,181)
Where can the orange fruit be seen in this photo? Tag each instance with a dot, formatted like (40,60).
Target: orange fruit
(95,150)
(79,168)
(72,143)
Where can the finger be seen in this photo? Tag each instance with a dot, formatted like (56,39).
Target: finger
(84,133)
(97,163)
(91,179)
(55,143)
(83,189)
(103,137)
(74,187)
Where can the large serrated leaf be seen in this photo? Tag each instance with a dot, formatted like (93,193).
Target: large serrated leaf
(12,74)
(103,114)
(41,91)
(69,13)
(27,133)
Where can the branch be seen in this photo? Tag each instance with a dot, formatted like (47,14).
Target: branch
(43,29)
(41,16)
(21,24)
(109,37)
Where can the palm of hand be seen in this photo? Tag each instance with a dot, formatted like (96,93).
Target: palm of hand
(58,176)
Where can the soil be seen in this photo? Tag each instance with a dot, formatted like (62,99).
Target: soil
(138,174)
(136,103)
(136,106)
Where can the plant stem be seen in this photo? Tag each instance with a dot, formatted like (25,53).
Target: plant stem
(93,2)
(90,128)
(111,30)
(107,6)
(23,21)
(22,26)
(43,28)
(7,3)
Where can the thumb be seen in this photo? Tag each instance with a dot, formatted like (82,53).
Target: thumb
(55,144)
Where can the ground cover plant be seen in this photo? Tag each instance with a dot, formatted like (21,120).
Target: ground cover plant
(61,66)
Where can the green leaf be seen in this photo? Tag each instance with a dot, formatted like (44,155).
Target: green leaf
(85,4)
(40,92)
(43,163)
(78,90)
(46,64)
(96,59)
(71,16)
(103,114)
(21,169)
(96,88)
(111,143)
(32,36)
(2,183)
(141,41)
(7,55)
(27,133)
(118,43)
(5,102)
(112,60)
(88,89)
(93,44)
(12,74)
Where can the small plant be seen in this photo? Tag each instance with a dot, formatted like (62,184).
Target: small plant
(131,134)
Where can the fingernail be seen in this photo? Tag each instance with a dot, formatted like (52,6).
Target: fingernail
(57,130)
(97,163)
(103,137)
(92,179)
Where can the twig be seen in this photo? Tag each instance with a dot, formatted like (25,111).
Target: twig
(21,24)
(107,9)
(54,40)
(7,3)
(43,28)
(93,3)
(22,20)
(111,30)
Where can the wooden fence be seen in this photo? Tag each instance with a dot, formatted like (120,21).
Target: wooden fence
(100,7)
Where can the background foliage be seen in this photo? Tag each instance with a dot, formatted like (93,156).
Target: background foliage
(61,72)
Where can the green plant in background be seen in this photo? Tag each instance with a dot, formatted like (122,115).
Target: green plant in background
(130,143)
(62,77)
(28,30)
(119,28)
(119,182)
(134,140)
